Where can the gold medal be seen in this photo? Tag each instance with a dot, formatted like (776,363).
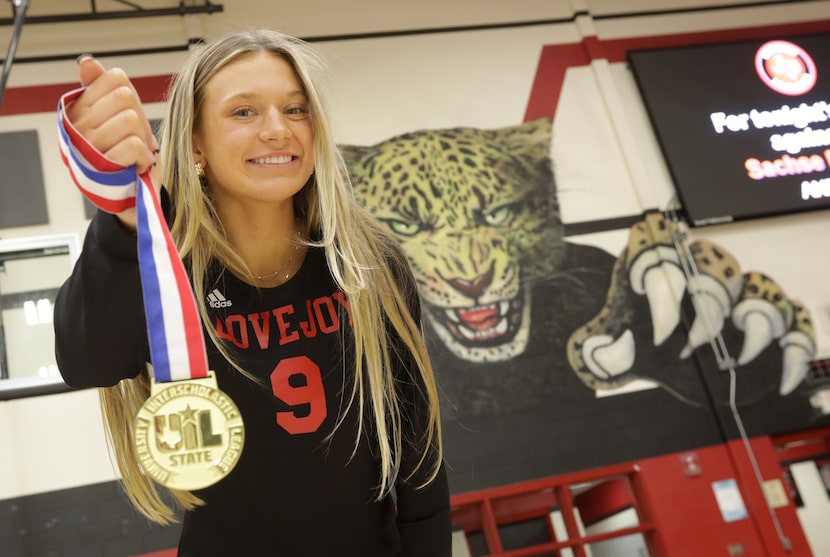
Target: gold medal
(188,434)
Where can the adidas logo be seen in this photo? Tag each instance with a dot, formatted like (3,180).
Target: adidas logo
(216,300)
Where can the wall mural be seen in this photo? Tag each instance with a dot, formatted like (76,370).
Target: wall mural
(525,327)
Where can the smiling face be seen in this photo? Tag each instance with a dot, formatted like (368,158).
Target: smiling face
(254,134)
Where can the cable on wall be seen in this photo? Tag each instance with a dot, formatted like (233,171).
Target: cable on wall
(679,232)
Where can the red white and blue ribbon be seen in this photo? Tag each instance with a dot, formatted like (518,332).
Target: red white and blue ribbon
(177,346)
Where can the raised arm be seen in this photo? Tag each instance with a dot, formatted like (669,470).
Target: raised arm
(100,331)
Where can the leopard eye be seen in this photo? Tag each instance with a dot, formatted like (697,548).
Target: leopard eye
(500,216)
(404,228)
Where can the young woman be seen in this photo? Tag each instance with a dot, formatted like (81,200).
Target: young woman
(342,454)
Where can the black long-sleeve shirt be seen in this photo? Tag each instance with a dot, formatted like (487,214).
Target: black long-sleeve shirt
(294,491)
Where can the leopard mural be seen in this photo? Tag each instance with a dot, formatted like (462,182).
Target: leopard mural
(524,327)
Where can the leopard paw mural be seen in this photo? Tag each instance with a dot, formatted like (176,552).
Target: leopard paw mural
(661,269)
(602,352)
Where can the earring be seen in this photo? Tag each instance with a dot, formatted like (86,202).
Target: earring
(200,172)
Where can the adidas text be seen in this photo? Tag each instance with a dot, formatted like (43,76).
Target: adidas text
(216,300)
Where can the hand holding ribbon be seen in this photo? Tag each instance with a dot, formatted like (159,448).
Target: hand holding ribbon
(108,145)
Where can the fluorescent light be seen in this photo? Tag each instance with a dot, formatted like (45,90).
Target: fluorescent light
(30,311)
(44,310)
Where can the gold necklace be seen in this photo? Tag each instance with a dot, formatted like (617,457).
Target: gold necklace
(285,267)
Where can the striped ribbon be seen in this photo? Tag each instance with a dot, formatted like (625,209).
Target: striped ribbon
(177,346)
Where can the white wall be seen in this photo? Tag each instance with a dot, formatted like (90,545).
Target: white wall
(52,442)
(813,515)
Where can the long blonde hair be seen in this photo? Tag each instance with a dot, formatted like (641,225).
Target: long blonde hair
(365,262)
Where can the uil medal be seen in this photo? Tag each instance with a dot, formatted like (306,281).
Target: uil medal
(188,435)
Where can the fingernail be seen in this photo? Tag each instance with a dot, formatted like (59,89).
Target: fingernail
(83,56)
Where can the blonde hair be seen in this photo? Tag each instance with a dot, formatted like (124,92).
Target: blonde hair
(365,262)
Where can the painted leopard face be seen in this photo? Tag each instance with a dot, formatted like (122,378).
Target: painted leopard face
(476,214)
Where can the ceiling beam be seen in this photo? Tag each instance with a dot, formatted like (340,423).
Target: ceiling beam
(106,53)
(208,8)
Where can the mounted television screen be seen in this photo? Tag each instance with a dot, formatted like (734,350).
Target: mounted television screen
(744,127)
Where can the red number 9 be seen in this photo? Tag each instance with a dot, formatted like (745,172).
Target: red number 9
(312,393)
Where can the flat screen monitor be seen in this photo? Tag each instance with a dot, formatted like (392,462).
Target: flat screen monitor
(744,127)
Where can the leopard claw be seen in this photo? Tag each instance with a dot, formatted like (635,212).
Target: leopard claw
(714,290)
(664,287)
(763,312)
(799,347)
(710,301)
(797,357)
(759,334)
(606,357)
(654,271)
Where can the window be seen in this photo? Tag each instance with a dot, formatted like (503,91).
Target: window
(31,271)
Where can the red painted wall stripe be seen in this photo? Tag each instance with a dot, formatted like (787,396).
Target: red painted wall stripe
(166,553)
(44,98)
(556,59)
